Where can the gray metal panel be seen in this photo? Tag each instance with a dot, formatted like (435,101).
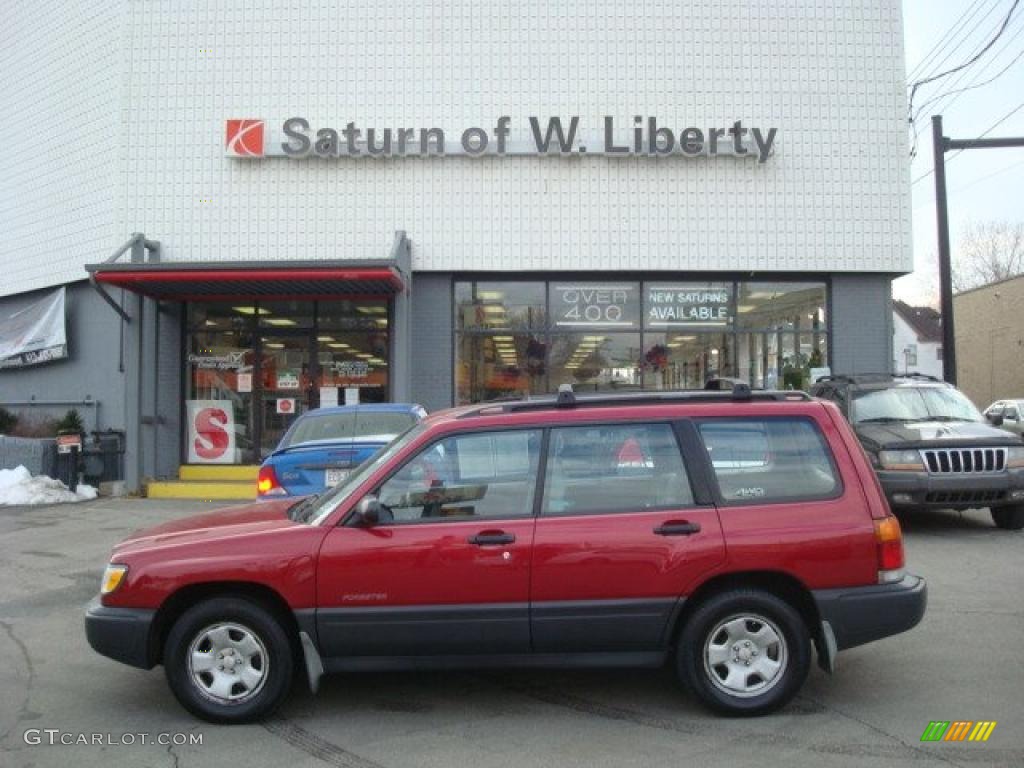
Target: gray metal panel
(90,372)
(432,352)
(861,323)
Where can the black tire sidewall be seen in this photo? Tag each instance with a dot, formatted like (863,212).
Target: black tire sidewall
(690,651)
(256,618)
(1008,518)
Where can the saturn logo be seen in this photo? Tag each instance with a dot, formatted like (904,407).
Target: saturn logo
(244,138)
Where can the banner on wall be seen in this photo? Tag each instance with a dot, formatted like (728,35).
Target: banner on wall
(35,334)
(211,431)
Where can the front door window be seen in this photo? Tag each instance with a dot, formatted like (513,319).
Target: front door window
(286,384)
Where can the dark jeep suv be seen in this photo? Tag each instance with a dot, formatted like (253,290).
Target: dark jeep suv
(930,446)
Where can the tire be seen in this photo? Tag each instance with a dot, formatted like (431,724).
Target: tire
(749,679)
(1008,518)
(228,660)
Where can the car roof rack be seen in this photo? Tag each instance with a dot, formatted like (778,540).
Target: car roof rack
(566,398)
(868,378)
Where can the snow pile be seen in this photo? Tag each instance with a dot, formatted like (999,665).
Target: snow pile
(17,486)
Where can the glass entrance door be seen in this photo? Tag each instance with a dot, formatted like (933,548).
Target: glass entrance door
(287,377)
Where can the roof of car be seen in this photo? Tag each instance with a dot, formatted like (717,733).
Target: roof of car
(628,404)
(883,380)
(364,408)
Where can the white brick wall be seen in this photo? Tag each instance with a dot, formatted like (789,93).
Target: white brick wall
(827,73)
(60,80)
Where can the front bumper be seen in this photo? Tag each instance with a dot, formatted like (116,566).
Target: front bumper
(122,634)
(952,491)
(859,615)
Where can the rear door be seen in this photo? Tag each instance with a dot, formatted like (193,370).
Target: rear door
(447,570)
(620,537)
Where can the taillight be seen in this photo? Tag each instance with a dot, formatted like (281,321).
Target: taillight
(889,545)
(266,483)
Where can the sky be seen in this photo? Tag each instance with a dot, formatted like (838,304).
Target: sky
(983,184)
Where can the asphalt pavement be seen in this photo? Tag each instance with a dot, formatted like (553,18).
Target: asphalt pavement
(964,662)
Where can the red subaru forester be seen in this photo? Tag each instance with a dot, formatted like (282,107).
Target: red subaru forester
(722,533)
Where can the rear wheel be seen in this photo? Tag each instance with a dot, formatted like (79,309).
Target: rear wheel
(1009,518)
(744,652)
(228,660)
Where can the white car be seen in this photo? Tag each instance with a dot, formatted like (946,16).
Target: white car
(1007,414)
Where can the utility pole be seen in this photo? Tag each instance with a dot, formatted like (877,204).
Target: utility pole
(939,150)
(940,146)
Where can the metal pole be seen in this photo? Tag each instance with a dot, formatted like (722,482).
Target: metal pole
(939,147)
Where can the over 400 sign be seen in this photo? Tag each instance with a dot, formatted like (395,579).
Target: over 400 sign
(611,305)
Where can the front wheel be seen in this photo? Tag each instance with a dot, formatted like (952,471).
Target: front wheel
(1009,518)
(228,660)
(744,652)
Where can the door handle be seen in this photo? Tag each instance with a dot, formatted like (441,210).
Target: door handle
(491,538)
(677,528)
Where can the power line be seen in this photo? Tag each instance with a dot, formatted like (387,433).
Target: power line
(964,64)
(988,130)
(978,51)
(926,60)
(974,83)
(974,183)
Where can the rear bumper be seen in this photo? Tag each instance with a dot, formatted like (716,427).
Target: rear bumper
(861,615)
(952,491)
(121,634)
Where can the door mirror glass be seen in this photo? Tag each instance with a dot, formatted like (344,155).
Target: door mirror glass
(368,510)
(996,419)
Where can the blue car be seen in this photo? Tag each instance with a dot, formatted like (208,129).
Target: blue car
(324,445)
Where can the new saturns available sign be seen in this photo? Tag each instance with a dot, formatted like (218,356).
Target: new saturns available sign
(638,136)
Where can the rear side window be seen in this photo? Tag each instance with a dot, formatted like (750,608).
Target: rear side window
(614,468)
(769,459)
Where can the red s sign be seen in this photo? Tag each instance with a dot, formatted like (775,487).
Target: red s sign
(209,426)
(211,432)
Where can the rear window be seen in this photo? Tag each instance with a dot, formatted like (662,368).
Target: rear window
(354,424)
(769,459)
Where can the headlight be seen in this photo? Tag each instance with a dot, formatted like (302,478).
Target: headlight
(1015,457)
(901,460)
(112,578)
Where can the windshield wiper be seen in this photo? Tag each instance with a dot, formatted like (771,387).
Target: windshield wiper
(883,420)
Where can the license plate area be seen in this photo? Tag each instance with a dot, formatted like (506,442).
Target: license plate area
(334,476)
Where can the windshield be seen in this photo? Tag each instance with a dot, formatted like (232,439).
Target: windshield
(347,425)
(314,509)
(912,404)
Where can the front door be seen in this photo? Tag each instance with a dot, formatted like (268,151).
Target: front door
(447,568)
(619,539)
(287,383)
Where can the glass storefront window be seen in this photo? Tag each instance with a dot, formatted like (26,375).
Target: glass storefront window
(597,305)
(687,305)
(220,365)
(686,360)
(616,334)
(781,306)
(499,305)
(285,314)
(594,362)
(221,316)
(352,314)
(272,361)
(500,365)
(353,359)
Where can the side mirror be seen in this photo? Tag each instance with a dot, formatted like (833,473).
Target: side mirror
(996,419)
(368,510)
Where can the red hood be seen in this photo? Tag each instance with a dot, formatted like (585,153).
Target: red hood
(223,523)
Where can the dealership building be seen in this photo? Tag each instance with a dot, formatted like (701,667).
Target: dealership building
(216,216)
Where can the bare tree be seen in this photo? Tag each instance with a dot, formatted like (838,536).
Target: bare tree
(988,252)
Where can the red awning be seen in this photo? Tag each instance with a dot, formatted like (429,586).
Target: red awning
(227,281)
